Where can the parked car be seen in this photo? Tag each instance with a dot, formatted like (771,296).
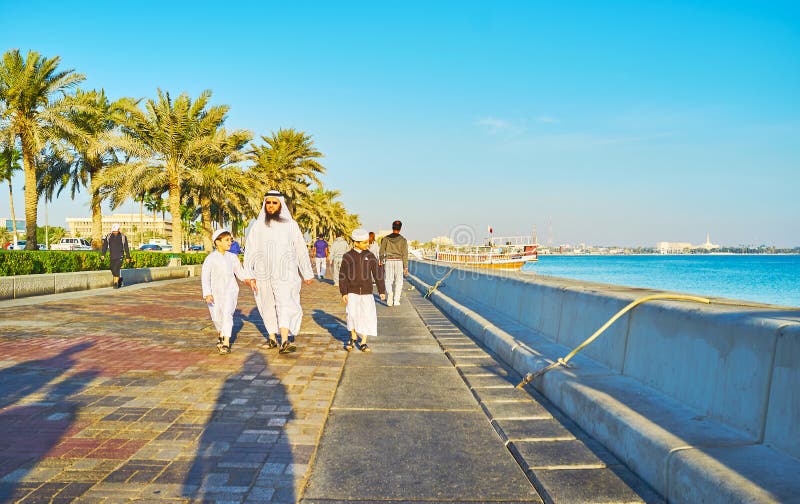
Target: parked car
(20,245)
(150,246)
(196,248)
(161,242)
(72,244)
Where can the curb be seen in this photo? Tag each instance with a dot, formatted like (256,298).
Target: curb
(683,456)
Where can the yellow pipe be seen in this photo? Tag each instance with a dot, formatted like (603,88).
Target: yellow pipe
(564,360)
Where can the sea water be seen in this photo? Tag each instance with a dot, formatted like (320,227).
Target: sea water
(773,279)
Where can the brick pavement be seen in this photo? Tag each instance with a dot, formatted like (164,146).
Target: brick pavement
(111,396)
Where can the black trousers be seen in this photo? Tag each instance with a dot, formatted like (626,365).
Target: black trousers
(116,265)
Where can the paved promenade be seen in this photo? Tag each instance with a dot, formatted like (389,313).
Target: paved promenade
(120,395)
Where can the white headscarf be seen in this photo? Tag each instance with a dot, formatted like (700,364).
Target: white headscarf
(291,255)
(284,214)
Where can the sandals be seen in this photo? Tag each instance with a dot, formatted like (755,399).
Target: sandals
(224,350)
(287,347)
(270,344)
(220,342)
(363,347)
(349,345)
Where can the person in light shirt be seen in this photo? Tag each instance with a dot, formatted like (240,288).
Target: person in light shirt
(220,270)
(277,259)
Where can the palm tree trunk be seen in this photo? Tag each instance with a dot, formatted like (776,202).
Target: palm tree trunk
(205,222)
(175,211)
(31,194)
(97,215)
(11,202)
(141,220)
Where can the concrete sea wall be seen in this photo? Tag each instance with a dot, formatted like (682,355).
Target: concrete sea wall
(702,401)
(13,287)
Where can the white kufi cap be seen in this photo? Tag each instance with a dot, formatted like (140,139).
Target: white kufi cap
(359,235)
(114,227)
(219,232)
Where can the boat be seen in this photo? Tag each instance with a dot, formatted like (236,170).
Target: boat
(506,252)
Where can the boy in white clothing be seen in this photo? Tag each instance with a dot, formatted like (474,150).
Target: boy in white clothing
(359,270)
(220,289)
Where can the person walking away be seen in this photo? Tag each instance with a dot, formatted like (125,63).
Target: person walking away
(220,270)
(321,256)
(276,258)
(394,257)
(376,251)
(359,269)
(116,244)
(338,250)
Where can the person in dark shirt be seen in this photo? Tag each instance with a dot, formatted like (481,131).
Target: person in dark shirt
(359,269)
(116,244)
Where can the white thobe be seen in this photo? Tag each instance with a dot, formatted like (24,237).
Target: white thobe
(277,257)
(361,315)
(220,271)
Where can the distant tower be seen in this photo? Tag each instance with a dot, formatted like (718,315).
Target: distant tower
(550,232)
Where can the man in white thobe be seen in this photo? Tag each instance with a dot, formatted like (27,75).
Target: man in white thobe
(277,258)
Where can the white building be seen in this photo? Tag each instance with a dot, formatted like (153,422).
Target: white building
(673,247)
(129,223)
(684,247)
(708,246)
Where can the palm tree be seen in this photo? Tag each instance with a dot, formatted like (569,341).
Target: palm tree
(9,163)
(154,203)
(81,158)
(28,86)
(175,133)
(215,180)
(321,215)
(287,163)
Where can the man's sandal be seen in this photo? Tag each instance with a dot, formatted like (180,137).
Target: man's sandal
(349,345)
(220,342)
(363,347)
(270,344)
(287,347)
(224,350)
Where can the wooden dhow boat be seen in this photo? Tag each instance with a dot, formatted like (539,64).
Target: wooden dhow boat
(507,252)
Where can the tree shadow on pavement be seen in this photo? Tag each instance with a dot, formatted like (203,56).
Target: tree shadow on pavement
(244,453)
(29,433)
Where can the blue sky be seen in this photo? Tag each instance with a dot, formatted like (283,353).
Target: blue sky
(607,123)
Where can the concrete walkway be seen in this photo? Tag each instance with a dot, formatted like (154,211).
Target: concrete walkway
(119,395)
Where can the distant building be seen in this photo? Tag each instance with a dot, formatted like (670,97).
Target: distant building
(685,247)
(673,247)
(708,246)
(8,225)
(130,223)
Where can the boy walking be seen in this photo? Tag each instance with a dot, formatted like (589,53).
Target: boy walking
(220,290)
(359,269)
